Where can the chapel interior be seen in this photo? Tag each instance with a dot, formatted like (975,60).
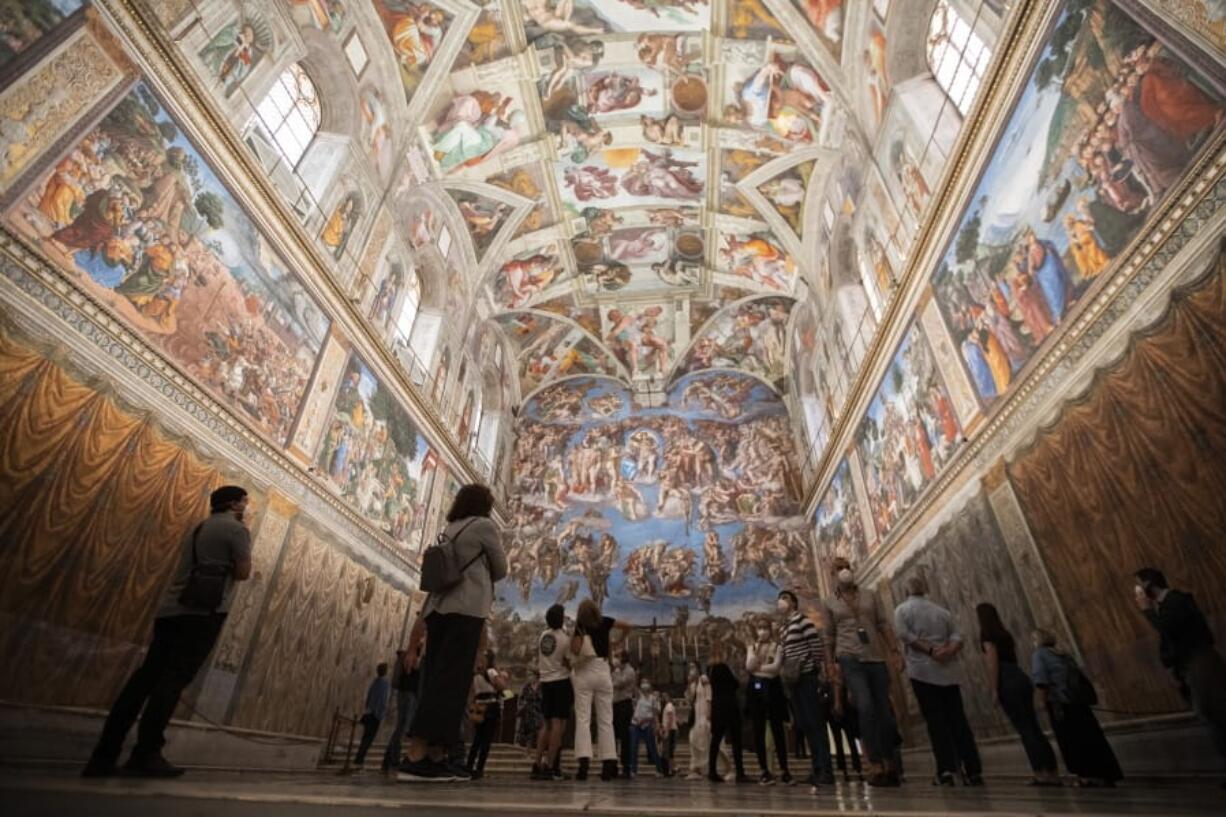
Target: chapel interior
(711,293)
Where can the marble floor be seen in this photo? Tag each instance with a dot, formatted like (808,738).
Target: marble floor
(57,792)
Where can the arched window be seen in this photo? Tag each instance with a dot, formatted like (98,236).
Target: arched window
(957,55)
(290,113)
(409,308)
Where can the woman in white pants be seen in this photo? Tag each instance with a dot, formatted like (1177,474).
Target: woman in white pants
(593,682)
(699,695)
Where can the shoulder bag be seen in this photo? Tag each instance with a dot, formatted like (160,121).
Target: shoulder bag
(206,584)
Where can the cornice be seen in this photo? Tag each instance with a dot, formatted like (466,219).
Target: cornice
(164,68)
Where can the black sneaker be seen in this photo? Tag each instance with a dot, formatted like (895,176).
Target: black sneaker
(973,780)
(459,774)
(424,771)
(557,774)
(945,779)
(786,779)
(766,779)
(538,773)
(153,765)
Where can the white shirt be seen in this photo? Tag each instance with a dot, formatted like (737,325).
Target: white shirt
(551,656)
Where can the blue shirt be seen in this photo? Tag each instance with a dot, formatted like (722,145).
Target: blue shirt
(1048,669)
(376,697)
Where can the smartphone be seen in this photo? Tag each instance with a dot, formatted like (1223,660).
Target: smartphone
(863,634)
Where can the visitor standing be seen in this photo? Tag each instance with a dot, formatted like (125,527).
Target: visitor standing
(767,702)
(725,716)
(1186,648)
(214,555)
(530,717)
(644,726)
(375,708)
(557,694)
(805,663)
(857,635)
(593,682)
(455,626)
(668,725)
(845,727)
(1069,698)
(931,645)
(1011,686)
(625,682)
(405,681)
(698,696)
(485,714)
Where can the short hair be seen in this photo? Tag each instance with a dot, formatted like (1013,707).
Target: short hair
(555,616)
(473,499)
(226,495)
(790,596)
(916,586)
(381,670)
(1046,638)
(1152,575)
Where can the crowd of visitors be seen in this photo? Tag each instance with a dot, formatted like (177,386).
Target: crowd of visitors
(826,670)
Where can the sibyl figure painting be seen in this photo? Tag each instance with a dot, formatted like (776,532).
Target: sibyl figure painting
(136,215)
(1109,122)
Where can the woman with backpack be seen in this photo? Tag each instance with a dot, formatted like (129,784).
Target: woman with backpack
(459,573)
(1069,696)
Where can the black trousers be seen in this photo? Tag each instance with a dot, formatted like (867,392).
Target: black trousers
(446,674)
(1017,699)
(764,710)
(179,648)
(623,713)
(726,722)
(483,739)
(953,742)
(370,728)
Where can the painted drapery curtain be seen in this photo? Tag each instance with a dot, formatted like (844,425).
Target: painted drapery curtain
(93,500)
(1130,476)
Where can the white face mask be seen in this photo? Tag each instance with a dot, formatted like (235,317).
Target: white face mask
(645,689)
(846,577)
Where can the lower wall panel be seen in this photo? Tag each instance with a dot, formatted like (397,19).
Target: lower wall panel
(94,500)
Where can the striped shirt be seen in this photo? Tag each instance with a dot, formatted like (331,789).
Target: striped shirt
(802,641)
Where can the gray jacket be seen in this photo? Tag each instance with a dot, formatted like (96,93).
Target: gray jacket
(474,595)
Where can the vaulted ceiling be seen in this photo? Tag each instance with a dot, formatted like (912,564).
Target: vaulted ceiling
(635,175)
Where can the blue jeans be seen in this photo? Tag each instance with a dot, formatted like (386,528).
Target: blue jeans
(406,703)
(869,685)
(811,716)
(646,734)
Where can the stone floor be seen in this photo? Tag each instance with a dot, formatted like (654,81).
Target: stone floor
(57,792)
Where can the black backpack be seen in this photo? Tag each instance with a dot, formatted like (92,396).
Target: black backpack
(1080,689)
(440,564)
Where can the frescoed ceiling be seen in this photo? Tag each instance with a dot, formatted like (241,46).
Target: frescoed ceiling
(659,155)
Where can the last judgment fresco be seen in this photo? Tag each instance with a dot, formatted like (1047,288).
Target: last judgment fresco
(692,505)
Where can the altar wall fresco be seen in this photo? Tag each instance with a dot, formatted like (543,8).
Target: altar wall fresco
(683,515)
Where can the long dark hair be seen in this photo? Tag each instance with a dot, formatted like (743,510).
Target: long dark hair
(472,500)
(991,628)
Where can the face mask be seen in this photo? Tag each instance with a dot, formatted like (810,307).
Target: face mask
(645,689)
(693,673)
(846,577)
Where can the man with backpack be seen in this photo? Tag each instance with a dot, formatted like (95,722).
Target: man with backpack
(214,555)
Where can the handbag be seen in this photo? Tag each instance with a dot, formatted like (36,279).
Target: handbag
(440,564)
(206,584)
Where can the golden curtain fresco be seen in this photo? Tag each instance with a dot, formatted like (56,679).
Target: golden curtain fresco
(328,621)
(93,502)
(1132,475)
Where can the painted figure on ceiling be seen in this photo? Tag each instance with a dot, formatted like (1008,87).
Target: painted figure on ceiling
(475,127)
(662,175)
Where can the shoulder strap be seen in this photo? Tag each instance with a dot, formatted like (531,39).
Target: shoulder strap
(480,551)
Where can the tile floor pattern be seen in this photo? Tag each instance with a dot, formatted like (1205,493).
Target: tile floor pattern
(36,792)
